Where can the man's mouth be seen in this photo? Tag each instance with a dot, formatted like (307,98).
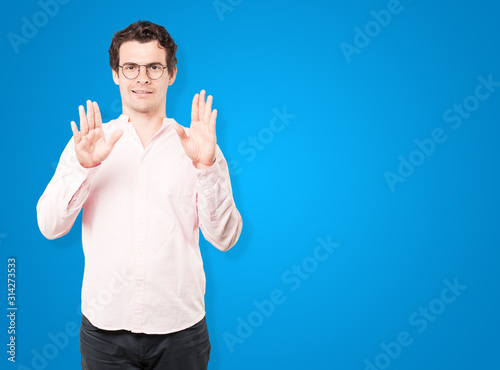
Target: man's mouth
(142,92)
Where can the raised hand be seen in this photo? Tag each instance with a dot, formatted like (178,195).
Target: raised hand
(91,146)
(201,142)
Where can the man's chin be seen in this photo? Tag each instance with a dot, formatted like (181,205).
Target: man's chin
(143,108)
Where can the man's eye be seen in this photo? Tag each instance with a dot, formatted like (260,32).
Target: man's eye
(154,68)
(130,67)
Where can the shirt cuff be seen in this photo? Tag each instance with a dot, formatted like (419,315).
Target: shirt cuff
(208,177)
(81,173)
(79,176)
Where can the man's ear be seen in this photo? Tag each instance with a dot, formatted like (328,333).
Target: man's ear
(172,76)
(115,77)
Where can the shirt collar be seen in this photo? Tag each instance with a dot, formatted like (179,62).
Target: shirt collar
(166,121)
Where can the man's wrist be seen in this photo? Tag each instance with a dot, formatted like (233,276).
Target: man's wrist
(202,166)
(93,166)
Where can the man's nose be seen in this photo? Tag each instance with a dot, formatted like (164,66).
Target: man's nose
(143,76)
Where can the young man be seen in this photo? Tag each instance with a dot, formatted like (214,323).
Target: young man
(146,186)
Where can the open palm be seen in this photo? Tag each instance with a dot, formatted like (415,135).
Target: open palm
(91,146)
(201,143)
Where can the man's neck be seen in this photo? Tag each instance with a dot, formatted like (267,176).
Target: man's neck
(145,124)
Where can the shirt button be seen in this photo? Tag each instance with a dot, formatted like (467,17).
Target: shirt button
(139,283)
(142,193)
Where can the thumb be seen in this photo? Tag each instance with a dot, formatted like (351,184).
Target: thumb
(182,134)
(114,138)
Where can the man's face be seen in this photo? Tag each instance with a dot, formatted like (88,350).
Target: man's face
(142,94)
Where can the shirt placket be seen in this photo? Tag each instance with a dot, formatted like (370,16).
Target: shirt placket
(139,233)
(140,247)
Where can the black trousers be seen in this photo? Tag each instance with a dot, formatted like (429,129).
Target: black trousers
(188,349)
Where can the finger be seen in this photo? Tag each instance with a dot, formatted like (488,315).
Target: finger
(76,135)
(182,134)
(202,104)
(90,115)
(194,108)
(208,110)
(97,115)
(84,127)
(113,139)
(213,118)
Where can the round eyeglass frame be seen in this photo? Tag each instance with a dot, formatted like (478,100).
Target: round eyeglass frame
(139,70)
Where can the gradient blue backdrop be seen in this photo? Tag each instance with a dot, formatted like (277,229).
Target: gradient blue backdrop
(322,176)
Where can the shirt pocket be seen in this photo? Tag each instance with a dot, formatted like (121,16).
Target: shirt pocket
(179,179)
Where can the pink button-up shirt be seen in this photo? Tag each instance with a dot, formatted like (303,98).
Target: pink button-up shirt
(142,211)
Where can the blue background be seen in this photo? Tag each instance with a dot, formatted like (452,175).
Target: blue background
(323,175)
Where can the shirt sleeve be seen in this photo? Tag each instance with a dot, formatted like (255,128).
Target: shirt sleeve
(219,219)
(65,194)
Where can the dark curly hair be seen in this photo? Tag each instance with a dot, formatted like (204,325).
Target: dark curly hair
(143,31)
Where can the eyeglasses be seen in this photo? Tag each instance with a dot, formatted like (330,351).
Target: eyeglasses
(132,70)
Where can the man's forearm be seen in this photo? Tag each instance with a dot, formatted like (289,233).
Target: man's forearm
(220,220)
(64,196)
